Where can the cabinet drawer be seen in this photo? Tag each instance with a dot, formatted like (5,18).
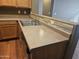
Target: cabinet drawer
(7,22)
(8,31)
(8,3)
(24,3)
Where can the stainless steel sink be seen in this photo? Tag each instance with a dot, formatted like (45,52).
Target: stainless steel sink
(30,22)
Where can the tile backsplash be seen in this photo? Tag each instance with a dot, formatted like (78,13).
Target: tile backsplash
(14,10)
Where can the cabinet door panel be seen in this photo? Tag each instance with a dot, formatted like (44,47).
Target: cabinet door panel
(8,31)
(0,2)
(12,2)
(16,3)
(6,22)
(8,2)
(8,50)
(22,3)
(5,2)
(0,32)
(30,3)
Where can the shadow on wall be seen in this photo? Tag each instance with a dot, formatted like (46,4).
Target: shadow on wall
(76,18)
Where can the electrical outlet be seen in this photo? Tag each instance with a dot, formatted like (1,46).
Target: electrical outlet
(25,12)
(19,12)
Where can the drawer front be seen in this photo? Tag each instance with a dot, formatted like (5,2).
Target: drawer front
(4,22)
(0,33)
(8,31)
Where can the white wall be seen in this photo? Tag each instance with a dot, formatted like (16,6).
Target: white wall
(66,9)
(40,6)
(37,6)
(46,7)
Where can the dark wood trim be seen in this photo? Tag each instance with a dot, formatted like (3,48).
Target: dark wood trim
(72,43)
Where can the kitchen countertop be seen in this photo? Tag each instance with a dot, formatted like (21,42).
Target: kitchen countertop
(13,17)
(38,36)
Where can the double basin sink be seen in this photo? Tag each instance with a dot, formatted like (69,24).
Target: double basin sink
(30,22)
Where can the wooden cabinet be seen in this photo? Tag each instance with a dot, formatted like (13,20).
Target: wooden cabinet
(30,3)
(8,3)
(53,51)
(0,33)
(22,3)
(21,50)
(21,45)
(8,29)
(8,50)
(12,2)
(16,3)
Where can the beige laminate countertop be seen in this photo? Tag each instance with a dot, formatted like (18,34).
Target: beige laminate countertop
(13,17)
(38,36)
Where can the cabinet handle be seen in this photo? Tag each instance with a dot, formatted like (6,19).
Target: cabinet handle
(28,51)
(0,38)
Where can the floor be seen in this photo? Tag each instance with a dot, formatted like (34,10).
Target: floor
(76,53)
(11,50)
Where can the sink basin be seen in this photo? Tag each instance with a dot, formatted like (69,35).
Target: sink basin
(29,22)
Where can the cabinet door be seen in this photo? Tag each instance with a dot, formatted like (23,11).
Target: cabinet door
(21,50)
(22,3)
(0,2)
(30,3)
(4,50)
(4,2)
(8,31)
(12,2)
(8,50)
(8,3)
(0,32)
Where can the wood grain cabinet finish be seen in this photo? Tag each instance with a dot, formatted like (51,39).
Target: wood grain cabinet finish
(21,50)
(53,51)
(12,2)
(22,3)
(30,4)
(16,3)
(8,50)
(0,33)
(8,3)
(8,29)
